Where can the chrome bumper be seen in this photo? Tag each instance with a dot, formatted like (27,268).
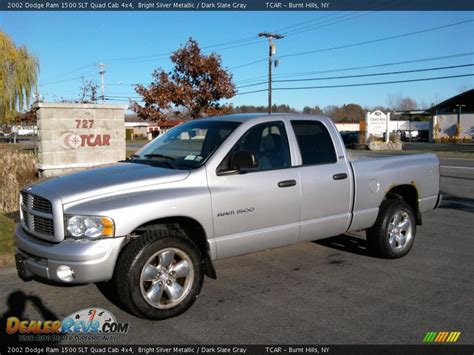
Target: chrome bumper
(90,261)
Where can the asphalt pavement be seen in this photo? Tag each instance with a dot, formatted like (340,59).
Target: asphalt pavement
(329,291)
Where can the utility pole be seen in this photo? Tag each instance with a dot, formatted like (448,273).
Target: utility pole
(459,111)
(102,80)
(271,53)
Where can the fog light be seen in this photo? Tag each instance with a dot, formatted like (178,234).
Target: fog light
(65,273)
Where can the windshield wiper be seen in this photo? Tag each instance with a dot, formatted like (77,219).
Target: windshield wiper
(155,155)
(168,161)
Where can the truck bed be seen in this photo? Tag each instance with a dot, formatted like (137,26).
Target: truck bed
(375,174)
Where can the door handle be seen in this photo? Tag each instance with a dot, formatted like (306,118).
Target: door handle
(340,176)
(287,183)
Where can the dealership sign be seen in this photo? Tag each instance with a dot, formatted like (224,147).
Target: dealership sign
(377,123)
(77,136)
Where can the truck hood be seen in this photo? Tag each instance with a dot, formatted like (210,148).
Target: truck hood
(106,180)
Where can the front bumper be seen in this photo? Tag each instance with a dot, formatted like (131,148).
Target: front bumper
(439,200)
(90,261)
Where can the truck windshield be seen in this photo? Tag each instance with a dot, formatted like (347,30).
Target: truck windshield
(186,146)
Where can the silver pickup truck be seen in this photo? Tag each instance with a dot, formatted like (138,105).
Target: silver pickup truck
(215,188)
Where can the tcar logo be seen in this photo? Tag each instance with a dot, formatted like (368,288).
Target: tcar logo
(71,140)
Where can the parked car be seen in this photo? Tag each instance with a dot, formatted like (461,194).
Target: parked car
(350,138)
(153,226)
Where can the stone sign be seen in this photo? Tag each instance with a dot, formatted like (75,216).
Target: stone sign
(377,124)
(74,136)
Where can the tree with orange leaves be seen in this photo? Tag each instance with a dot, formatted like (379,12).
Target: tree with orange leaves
(197,83)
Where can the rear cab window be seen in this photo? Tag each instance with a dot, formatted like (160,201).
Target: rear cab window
(315,143)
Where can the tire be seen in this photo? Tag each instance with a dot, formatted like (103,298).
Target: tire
(388,238)
(173,277)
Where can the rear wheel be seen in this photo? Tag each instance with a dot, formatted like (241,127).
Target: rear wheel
(393,233)
(159,275)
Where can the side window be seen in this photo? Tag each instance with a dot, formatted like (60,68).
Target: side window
(315,142)
(268,142)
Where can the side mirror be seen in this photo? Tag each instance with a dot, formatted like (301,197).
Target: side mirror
(239,162)
(242,160)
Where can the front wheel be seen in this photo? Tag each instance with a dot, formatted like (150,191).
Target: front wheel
(393,233)
(159,275)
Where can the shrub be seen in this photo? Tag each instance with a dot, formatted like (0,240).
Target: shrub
(394,137)
(458,132)
(437,131)
(374,139)
(17,169)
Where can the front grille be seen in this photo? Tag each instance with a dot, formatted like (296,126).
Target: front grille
(37,215)
(41,204)
(43,225)
(26,217)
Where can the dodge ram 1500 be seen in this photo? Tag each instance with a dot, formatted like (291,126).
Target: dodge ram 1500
(152,226)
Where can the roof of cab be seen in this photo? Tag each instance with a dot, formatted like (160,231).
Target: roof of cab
(242,117)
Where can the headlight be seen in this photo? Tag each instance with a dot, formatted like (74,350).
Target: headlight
(89,226)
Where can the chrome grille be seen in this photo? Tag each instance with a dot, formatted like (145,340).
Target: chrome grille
(37,213)
(26,217)
(43,225)
(24,198)
(41,204)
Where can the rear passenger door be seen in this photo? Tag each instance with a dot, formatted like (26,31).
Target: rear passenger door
(325,182)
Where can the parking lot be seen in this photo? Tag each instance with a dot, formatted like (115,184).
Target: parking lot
(329,291)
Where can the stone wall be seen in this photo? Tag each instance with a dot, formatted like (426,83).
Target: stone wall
(77,136)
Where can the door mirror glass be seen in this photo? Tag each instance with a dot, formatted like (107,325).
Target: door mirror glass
(243,160)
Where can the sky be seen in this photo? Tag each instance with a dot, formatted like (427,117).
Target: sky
(70,44)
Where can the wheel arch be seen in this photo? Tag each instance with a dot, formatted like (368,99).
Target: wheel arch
(409,194)
(193,230)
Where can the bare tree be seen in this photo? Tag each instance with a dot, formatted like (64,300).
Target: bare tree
(400,103)
(88,92)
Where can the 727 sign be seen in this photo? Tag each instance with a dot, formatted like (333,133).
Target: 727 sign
(84,123)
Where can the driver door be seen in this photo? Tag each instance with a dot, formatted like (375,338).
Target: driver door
(258,208)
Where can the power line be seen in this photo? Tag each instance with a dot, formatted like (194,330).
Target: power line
(75,70)
(124,97)
(360,84)
(64,80)
(248,64)
(376,74)
(345,17)
(296,74)
(379,39)
(378,65)
(226,45)
(248,40)
(365,67)
(361,43)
